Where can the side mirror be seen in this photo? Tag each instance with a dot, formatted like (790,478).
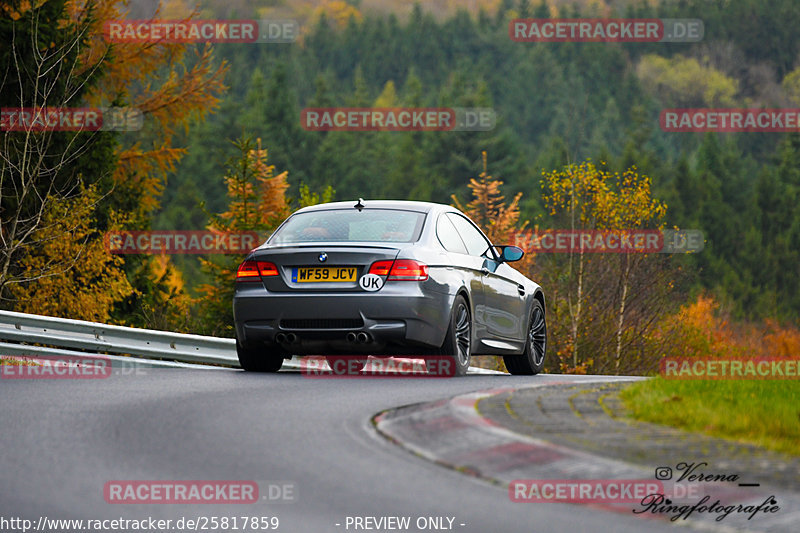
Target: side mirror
(509,254)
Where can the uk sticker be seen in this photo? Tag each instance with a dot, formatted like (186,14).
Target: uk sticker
(371,282)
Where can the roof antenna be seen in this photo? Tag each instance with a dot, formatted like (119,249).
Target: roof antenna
(360,204)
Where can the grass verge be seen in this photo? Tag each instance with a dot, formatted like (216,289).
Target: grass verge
(760,412)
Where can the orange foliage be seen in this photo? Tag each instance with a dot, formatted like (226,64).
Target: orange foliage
(248,210)
(338,11)
(704,331)
(499,221)
(155,79)
(133,73)
(581,369)
(488,209)
(780,341)
(87,286)
(257,203)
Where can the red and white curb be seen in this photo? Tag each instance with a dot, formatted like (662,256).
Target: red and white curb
(452,433)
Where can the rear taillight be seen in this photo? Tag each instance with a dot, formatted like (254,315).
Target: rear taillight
(408,270)
(255,270)
(400,270)
(381,268)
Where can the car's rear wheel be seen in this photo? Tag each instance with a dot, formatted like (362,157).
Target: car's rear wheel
(345,365)
(531,361)
(258,360)
(458,340)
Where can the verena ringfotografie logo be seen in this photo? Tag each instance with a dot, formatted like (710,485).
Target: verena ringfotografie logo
(70,119)
(180,242)
(730,368)
(610,241)
(693,476)
(201,31)
(55,367)
(363,366)
(594,30)
(583,490)
(398,119)
(730,120)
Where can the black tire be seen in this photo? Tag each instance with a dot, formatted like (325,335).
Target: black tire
(345,365)
(531,361)
(258,360)
(458,339)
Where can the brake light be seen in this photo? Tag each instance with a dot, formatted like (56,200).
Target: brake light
(267,269)
(381,268)
(400,270)
(408,270)
(255,270)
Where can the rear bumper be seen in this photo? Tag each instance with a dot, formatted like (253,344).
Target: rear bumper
(401,318)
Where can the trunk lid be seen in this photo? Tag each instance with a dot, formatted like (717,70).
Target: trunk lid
(302,268)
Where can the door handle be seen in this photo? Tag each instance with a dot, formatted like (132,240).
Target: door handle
(521,290)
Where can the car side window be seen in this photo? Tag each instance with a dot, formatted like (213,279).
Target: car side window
(474,240)
(448,236)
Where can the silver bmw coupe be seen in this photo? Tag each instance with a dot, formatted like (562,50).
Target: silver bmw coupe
(386,278)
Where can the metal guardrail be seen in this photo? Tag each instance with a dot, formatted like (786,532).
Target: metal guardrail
(64,333)
(58,335)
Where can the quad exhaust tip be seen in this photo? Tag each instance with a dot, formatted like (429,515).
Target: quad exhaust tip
(290,338)
(360,337)
(286,338)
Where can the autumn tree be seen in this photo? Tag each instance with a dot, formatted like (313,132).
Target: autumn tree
(57,57)
(627,205)
(605,306)
(67,230)
(571,193)
(488,208)
(257,202)
(498,220)
(45,63)
(307,197)
(338,11)
(173,85)
(684,82)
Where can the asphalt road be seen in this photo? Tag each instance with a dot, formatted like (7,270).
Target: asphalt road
(62,440)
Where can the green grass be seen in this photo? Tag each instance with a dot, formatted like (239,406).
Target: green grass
(760,412)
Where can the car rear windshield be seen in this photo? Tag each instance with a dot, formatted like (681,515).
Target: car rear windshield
(351,225)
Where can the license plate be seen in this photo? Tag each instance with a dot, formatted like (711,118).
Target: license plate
(323,274)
